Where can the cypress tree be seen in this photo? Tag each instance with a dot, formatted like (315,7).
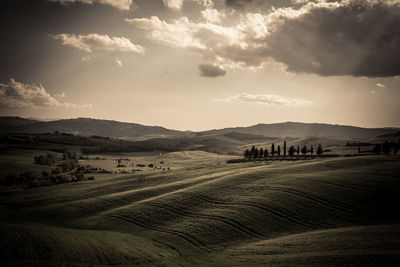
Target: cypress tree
(386,147)
(255,153)
(272,149)
(261,153)
(291,151)
(304,150)
(266,153)
(252,151)
(247,153)
(319,150)
(284,149)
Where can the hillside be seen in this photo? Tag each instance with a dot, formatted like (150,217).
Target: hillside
(82,126)
(332,212)
(298,129)
(10,123)
(109,128)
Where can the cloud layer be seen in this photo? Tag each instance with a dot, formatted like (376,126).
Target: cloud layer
(120,4)
(96,41)
(270,100)
(358,38)
(19,95)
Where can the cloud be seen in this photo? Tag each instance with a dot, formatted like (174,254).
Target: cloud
(204,37)
(270,100)
(208,70)
(179,33)
(85,59)
(19,95)
(238,4)
(177,4)
(62,95)
(96,41)
(380,85)
(119,62)
(357,38)
(173,4)
(212,15)
(119,4)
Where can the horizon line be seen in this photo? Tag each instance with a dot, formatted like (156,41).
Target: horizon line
(206,130)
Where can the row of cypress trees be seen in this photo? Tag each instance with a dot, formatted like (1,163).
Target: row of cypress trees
(385,148)
(265,153)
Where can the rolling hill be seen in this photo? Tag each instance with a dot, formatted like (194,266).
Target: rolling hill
(110,128)
(332,212)
(82,126)
(298,129)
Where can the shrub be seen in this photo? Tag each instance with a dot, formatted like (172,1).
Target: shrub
(11,179)
(75,155)
(47,159)
(377,149)
(69,165)
(55,171)
(386,147)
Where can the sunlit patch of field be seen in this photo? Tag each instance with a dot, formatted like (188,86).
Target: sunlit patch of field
(335,211)
(160,160)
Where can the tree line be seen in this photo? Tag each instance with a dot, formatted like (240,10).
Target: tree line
(255,152)
(386,147)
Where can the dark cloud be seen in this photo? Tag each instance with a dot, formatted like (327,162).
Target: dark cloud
(239,4)
(209,70)
(358,39)
(253,5)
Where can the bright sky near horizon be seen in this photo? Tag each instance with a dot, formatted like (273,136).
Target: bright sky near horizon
(202,64)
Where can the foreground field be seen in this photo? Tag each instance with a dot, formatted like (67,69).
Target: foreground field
(337,211)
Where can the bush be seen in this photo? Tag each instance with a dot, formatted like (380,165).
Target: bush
(75,155)
(55,171)
(48,159)
(11,179)
(69,165)
(80,177)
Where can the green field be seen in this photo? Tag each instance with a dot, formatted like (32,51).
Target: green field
(336,211)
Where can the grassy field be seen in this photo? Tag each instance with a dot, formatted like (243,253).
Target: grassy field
(326,212)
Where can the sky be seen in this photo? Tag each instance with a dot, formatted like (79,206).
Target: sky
(202,64)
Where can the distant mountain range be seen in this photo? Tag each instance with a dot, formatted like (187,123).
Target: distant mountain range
(116,129)
(82,126)
(298,129)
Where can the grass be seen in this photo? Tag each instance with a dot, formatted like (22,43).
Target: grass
(335,211)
